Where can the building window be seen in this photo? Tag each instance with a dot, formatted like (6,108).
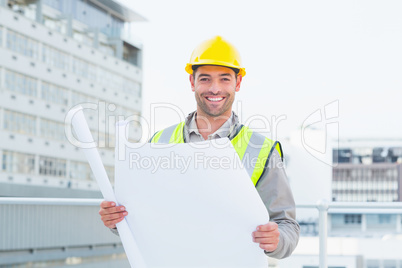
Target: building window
(84,69)
(83,37)
(352,218)
(55,58)
(108,139)
(106,78)
(373,264)
(50,166)
(55,24)
(107,49)
(131,54)
(53,3)
(384,218)
(390,264)
(21,44)
(52,130)
(131,88)
(14,162)
(54,94)
(77,98)
(19,123)
(80,171)
(20,83)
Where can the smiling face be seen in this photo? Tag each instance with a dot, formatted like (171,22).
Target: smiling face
(214,88)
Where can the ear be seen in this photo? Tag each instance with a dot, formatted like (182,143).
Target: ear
(238,82)
(191,78)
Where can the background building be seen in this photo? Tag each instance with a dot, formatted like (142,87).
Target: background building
(54,55)
(370,173)
(363,170)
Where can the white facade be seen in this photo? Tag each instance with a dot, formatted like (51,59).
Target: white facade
(44,72)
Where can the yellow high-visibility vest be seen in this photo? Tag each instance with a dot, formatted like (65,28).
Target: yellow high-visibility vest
(249,145)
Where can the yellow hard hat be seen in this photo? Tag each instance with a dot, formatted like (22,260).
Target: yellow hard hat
(216,51)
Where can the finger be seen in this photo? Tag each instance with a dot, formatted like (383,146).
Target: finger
(110,210)
(112,224)
(274,233)
(113,216)
(271,226)
(107,204)
(267,240)
(268,247)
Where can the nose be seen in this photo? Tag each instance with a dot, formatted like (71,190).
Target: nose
(215,88)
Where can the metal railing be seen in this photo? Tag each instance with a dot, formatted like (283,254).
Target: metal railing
(44,229)
(49,201)
(322,206)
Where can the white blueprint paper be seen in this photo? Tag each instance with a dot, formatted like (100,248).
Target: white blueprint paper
(188,211)
(91,153)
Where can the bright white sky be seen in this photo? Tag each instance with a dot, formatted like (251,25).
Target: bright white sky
(299,57)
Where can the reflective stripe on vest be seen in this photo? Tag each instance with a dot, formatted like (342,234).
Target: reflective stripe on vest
(252,148)
(173,134)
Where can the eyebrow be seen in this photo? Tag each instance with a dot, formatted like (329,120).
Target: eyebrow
(208,75)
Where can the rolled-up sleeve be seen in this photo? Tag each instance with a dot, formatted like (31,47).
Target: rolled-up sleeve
(274,190)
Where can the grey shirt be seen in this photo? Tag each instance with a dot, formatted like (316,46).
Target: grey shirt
(273,187)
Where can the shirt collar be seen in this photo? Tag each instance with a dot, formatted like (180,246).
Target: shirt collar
(223,131)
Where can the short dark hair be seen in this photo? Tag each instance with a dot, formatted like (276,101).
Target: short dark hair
(195,67)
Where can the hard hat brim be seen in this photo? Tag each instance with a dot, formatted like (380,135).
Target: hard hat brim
(189,67)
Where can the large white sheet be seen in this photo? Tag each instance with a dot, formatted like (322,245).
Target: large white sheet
(190,207)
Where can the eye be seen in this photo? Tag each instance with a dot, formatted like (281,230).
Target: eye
(204,79)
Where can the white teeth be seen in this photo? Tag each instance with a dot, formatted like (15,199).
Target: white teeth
(215,99)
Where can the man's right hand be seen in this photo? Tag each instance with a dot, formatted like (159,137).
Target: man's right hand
(110,214)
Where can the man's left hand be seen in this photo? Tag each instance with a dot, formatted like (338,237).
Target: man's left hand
(267,236)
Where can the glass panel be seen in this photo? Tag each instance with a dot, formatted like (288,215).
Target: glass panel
(77,98)
(52,3)
(84,69)
(50,166)
(352,218)
(54,94)
(21,44)
(20,83)
(55,58)
(131,87)
(52,130)
(18,162)
(107,49)
(19,123)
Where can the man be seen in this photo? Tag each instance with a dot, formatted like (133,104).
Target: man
(215,76)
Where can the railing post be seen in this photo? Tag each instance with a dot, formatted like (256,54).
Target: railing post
(322,206)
